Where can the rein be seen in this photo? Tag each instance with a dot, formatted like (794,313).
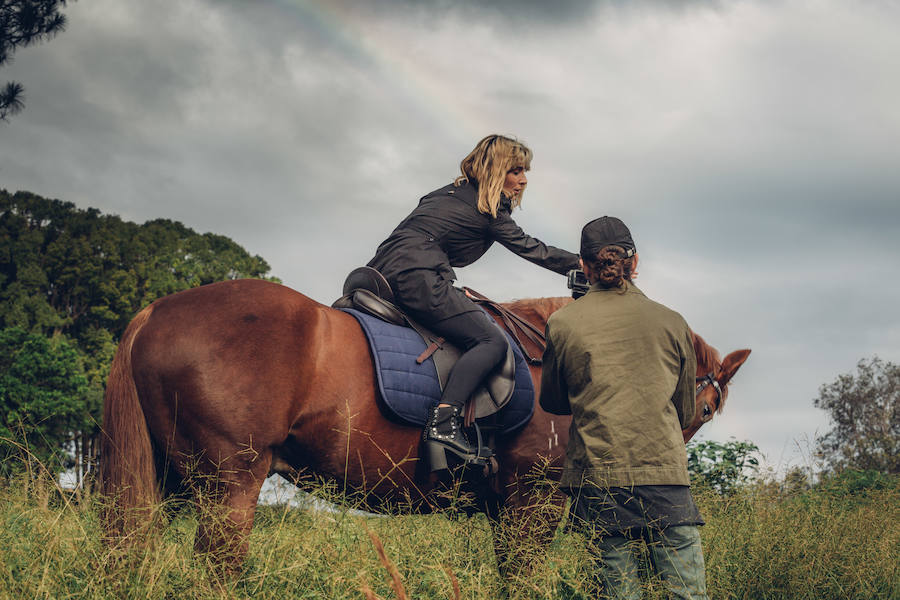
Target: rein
(514,324)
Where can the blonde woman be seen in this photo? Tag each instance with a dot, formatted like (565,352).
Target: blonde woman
(453,227)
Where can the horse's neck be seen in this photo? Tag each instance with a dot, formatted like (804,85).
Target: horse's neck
(536,310)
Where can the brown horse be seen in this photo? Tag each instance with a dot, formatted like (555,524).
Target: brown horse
(241,379)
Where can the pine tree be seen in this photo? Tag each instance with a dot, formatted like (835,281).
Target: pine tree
(23,23)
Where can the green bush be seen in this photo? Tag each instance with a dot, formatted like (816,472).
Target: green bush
(723,467)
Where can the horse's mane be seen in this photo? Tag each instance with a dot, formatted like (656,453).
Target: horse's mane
(708,360)
(537,310)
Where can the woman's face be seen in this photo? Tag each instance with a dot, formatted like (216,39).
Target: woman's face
(515,182)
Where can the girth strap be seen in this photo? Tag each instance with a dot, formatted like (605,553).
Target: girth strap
(514,324)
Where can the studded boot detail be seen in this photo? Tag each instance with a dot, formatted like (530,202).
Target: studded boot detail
(444,432)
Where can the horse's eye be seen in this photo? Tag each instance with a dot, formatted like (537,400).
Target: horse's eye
(706,411)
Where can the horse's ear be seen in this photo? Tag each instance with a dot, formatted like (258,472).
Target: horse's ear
(732,363)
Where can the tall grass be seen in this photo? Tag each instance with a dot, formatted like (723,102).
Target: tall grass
(834,541)
(838,542)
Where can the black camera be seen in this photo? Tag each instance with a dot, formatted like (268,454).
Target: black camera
(578,282)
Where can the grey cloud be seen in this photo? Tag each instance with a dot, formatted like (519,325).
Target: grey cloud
(503,14)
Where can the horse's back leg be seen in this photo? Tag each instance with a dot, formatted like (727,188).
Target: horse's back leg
(523,530)
(226,495)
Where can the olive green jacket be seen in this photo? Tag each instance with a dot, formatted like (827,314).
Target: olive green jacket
(624,367)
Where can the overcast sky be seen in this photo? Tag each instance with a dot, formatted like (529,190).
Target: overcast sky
(752,147)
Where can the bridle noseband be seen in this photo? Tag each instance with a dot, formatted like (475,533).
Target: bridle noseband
(702,384)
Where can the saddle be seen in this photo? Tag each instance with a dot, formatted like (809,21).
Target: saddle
(367,291)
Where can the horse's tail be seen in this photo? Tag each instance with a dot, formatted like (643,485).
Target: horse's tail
(127,468)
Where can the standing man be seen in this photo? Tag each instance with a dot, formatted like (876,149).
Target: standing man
(624,367)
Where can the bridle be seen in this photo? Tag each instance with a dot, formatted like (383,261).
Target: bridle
(702,383)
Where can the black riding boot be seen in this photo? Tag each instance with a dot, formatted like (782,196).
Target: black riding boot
(444,432)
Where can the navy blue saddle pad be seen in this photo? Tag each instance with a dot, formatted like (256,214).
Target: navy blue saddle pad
(409,388)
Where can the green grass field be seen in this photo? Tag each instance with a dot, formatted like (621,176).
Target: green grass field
(836,542)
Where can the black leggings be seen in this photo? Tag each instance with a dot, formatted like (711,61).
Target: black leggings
(484,347)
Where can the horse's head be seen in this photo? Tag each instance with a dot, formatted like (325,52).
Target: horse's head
(713,377)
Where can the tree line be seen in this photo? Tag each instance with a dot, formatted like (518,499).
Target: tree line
(70,281)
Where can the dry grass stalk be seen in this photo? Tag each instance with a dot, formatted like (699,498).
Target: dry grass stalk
(368,593)
(396,582)
(453,582)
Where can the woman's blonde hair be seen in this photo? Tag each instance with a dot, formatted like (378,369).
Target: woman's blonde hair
(487,165)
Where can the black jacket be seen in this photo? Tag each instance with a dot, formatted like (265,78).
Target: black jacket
(446,230)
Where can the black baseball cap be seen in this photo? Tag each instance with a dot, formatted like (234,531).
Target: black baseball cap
(605,231)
